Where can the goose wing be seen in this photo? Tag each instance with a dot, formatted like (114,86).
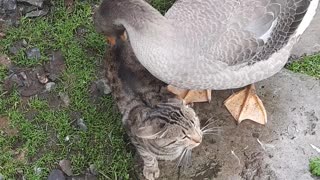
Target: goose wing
(237,32)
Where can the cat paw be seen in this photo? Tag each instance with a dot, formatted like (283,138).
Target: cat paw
(151,173)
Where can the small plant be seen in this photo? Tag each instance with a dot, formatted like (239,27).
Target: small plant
(315,166)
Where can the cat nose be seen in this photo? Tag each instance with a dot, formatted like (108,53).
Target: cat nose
(197,138)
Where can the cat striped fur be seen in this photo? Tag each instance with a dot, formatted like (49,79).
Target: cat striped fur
(159,126)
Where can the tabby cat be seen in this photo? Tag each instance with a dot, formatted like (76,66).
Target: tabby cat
(159,126)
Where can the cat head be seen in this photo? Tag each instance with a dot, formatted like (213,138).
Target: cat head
(171,127)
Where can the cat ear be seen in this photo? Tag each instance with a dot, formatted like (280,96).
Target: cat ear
(150,132)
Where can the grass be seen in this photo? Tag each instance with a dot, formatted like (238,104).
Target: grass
(162,5)
(41,141)
(309,65)
(315,166)
(46,135)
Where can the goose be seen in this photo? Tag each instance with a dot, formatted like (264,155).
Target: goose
(204,45)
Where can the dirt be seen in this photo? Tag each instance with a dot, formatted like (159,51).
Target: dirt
(279,150)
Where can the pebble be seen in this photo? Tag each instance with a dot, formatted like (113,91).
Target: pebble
(37,170)
(42,78)
(65,98)
(5,61)
(9,5)
(103,86)
(93,169)
(81,124)
(15,79)
(37,13)
(17,46)
(37,3)
(65,166)
(33,53)
(50,86)
(56,174)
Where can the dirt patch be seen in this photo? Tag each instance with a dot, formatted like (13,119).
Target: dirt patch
(6,129)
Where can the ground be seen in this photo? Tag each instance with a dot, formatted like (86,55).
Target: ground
(75,121)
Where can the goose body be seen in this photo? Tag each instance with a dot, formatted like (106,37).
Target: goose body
(213,44)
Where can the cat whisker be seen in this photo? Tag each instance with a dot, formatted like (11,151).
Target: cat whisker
(206,125)
(181,157)
(215,131)
(187,161)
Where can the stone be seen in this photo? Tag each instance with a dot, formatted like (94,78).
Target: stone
(9,5)
(65,99)
(17,46)
(56,174)
(81,124)
(37,13)
(93,169)
(42,78)
(56,66)
(16,80)
(49,86)
(103,87)
(33,53)
(37,170)
(37,3)
(65,166)
(5,61)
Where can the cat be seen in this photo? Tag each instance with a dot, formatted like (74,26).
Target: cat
(159,125)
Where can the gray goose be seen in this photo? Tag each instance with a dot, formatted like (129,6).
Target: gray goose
(204,45)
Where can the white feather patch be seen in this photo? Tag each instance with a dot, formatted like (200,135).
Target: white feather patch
(308,17)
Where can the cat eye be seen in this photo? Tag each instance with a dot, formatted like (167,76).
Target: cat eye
(185,135)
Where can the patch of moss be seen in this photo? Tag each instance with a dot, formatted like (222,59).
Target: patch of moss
(314,166)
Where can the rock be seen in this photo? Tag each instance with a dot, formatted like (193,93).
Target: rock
(33,53)
(65,166)
(42,78)
(49,86)
(37,13)
(67,138)
(93,169)
(16,80)
(56,66)
(26,9)
(103,86)
(56,174)
(37,3)
(5,61)
(9,5)
(37,170)
(17,46)
(1,177)
(82,126)
(23,75)
(65,99)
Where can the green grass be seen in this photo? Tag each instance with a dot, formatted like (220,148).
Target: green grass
(315,166)
(309,65)
(41,139)
(162,5)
